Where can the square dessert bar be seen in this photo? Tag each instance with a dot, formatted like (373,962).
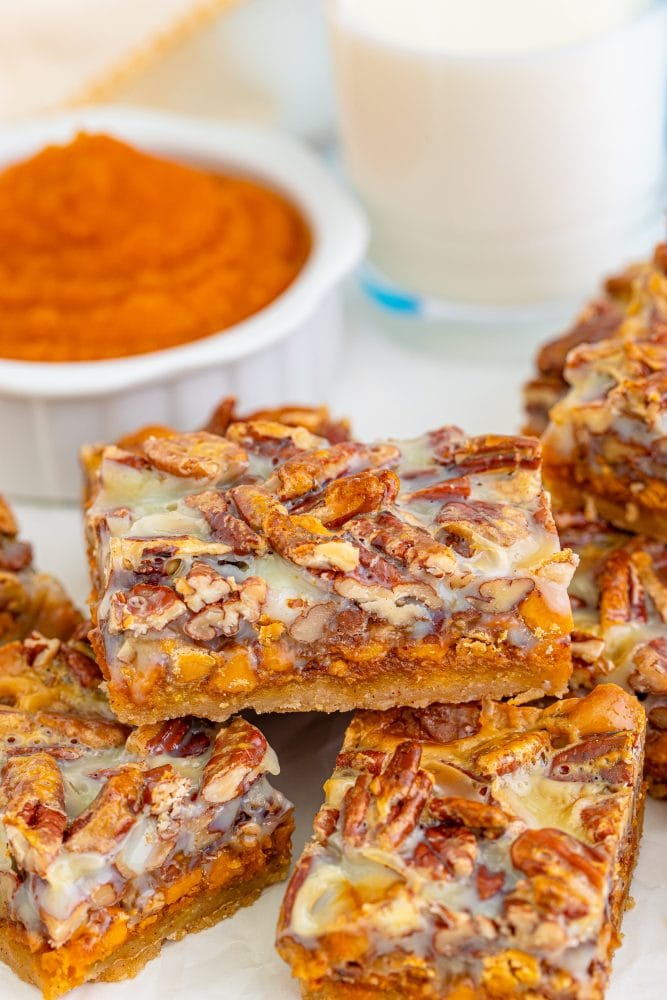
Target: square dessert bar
(626,300)
(471,851)
(619,605)
(269,568)
(605,449)
(114,841)
(28,599)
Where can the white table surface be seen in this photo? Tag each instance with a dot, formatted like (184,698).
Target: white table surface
(387,388)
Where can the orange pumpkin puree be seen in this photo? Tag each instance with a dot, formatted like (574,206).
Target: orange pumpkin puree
(107,252)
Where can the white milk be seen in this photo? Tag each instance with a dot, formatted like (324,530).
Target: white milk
(507,150)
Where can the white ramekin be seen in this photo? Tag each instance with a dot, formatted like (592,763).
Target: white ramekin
(287,352)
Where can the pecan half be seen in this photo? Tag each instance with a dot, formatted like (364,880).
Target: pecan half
(555,853)
(457,488)
(33,810)
(480,523)
(650,663)
(505,755)
(346,498)
(621,591)
(412,546)
(483,819)
(240,754)
(305,474)
(111,815)
(603,757)
(498,453)
(217,509)
(653,585)
(185,737)
(197,455)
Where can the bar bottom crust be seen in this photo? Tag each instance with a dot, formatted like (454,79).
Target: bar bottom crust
(186,915)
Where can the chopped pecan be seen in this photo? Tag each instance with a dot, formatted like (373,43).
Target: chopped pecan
(505,755)
(450,852)
(244,604)
(83,666)
(166,793)
(203,585)
(240,754)
(557,854)
(362,760)
(483,819)
(602,757)
(605,818)
(185,737)
(305,474)
(325,823)
(226,527)
(351,496)
(621,591)
(650,663)
(33,810)
(144,608)
(111,815)
(488,883)
(197,455)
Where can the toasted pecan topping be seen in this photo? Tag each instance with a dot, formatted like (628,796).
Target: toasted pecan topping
(346,498)
(146,607)
(621,591)
(184,737)
(197,455)
(32,804)
(111,815)
(239,754)
(299,476)
(225,526)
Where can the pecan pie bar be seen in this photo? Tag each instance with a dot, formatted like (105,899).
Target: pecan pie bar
(471,851)
(40,674)
(605,449)
(619,604)
(626,294)
(269,568)
(28,599)
(112,842)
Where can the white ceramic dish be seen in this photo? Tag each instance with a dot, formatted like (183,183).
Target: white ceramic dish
(285,352)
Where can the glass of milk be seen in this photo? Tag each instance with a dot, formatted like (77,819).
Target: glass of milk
(509,152)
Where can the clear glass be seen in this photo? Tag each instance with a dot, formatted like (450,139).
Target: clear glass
(504,171)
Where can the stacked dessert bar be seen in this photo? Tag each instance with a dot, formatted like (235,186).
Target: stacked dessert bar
(471,844)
